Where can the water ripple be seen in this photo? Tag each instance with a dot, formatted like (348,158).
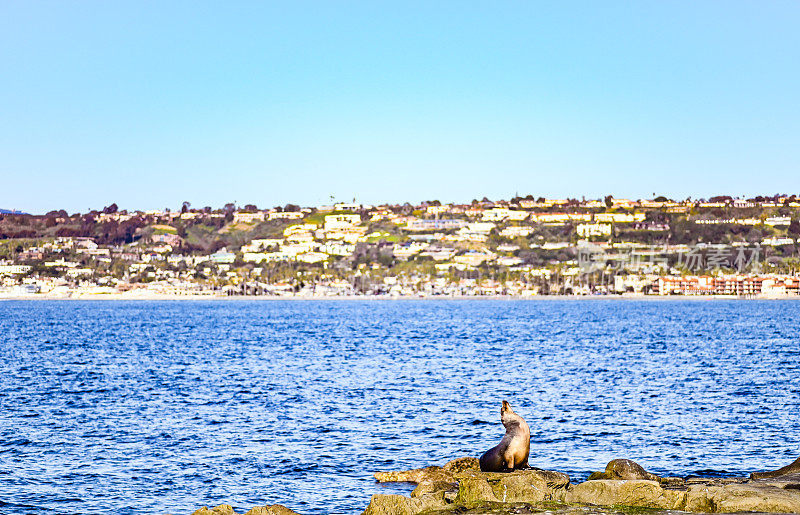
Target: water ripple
(146,407)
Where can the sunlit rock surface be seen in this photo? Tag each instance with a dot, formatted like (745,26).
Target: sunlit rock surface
(460,487)
(225,509)
(433,473)
(792,468)
(624,469)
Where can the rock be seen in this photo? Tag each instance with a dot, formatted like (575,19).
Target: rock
(473,490)
(222,509)
(786,481)
(433,473)
(463,489)
(672,482)
(793,467)
(742,497)
(460,483)
(381,504)
(526,486)
(624,469)
(699,498)
(714,481)
(633,492)
(713,496)
(553,478)
(275,509)
(430,502)
(521,488)
(227,509)
(529,486)
(414,475)
(427,487)
(461,464)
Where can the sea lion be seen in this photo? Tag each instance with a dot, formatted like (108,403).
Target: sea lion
(788,469)
(512,451)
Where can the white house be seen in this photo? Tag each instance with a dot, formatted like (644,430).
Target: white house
(515,231)
(265,257)
(344,221)
(258,216)
(406,250)
(299,248)
(619,217)
(285,215)
(261,244)
(336,248)
(223,256)
(14,269)
(776,241)
(300,237)
(589,230)
(343,206)
(473,258)
(312,257)
(480,227)
(509,261)
(295,229)
(497,214)
(778,220)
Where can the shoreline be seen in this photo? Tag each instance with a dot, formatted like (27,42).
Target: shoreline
(386,298)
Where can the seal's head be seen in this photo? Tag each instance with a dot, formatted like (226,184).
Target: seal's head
(507,415)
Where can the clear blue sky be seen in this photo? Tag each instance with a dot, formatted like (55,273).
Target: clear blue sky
(148,104)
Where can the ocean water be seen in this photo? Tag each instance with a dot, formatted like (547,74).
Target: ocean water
(163,407)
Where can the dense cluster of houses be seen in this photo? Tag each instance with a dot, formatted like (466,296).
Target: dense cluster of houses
(482,248)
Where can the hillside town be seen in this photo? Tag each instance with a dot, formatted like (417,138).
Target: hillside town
(523,247)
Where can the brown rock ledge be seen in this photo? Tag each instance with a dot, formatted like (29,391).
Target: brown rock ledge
(459,487)
(226,509)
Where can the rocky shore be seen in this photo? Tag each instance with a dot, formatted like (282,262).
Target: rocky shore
(459,487)
(624,487)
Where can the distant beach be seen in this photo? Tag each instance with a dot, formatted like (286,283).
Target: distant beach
(233,298)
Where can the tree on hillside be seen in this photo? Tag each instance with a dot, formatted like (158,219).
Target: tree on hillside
(794,228)
(185,206)
(110,210)
(229,208)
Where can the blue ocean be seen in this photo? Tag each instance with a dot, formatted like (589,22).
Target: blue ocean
(164,407)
